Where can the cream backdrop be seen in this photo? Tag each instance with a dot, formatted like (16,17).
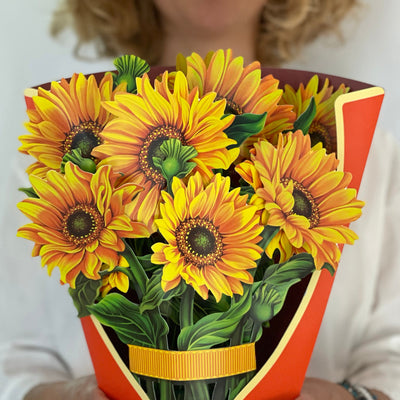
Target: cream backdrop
(29,56)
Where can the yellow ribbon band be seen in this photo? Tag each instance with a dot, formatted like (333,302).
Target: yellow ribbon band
(192,365)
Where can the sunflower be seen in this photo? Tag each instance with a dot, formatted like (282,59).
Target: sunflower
(146,119)
(211,234)
(242,87)
(323,127)
(115,279)
(299,190)
(79,220)
(66,117)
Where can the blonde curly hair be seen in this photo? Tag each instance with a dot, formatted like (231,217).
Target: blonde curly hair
(134,26)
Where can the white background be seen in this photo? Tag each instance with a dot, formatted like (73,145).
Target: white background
(29,56)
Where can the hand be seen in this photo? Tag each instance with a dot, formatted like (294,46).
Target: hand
(83,389)
(318,389)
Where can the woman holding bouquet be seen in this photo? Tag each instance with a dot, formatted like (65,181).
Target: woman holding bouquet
(270,31)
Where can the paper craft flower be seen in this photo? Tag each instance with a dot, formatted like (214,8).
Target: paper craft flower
(212,237)
(323,127)
(181,211)
(115,279)
(242,87)
(300,191)
(79,220)
(68,116)
(144,121)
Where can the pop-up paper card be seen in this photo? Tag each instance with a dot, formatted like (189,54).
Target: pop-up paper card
(198,215)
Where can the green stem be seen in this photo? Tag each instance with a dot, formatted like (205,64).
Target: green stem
(166,390)
(138,274)
(166,387)
(220,389)
(139,278)
(237,336)
(186,311)
(150,389)
(256,327)
(196,390)
(231,382)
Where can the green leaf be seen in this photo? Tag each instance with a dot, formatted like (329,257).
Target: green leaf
(171,310)
(330,269)
(303,122)
(137,274)
(216,328)
(264,262)
(30,192)
(269,294)
(267,235)
(268,300)
(129,68)
(154,294)
(131,326)
(244,126)
(204,307)
(298,266)
(148,266)
(247,189)
(85,293)
(240,382)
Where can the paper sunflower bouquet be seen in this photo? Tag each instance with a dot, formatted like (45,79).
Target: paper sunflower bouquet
(197,214)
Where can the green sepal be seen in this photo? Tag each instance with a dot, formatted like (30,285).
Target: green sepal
(216,328)
(30,192)
(304,121)
(155,295)
(175,160)
(125,318)
(329,267)
(129,68)
(84,294)
(269,294)
(244,126)
(75,156)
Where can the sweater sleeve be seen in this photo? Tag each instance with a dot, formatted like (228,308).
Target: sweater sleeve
(26,365)
(375,360)
(359,339)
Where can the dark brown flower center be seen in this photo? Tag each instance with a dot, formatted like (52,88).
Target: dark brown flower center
(231,107)
(304,203)
(199,242)
(84,136)
(151,148)
(82,224)
(319,133)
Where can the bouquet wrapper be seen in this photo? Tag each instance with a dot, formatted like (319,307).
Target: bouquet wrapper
(284,350)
